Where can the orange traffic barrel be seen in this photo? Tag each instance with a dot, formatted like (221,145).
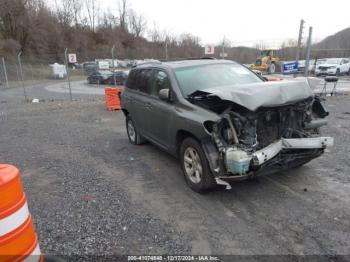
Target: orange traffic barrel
(112,95)
(18,240)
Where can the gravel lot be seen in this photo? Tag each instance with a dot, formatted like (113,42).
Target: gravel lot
(91,192)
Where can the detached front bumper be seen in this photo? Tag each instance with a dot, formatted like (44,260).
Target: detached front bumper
(269,152)
(281,155)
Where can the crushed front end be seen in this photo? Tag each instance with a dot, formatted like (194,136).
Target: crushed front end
(267,140)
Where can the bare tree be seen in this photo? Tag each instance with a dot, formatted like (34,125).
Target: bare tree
(123,14)
(157,35)
(76,10)
(15,20)
(64,12)
(260,45)
(138,24)
(92,11)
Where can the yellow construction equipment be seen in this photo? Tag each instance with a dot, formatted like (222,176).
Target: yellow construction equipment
(268,61)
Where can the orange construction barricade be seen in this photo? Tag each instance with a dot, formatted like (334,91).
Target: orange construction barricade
(112,95)
(18,240)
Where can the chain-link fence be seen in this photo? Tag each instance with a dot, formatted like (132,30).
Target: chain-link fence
(27,78)
(24,77)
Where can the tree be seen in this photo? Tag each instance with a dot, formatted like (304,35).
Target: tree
(138,24)
(92,11)
(15,20)
(123,15)
(64,12)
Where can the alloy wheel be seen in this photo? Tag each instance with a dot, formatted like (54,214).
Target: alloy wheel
(193,165)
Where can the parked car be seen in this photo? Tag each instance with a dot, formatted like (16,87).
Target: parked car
(224,122)
(334,66)
(302,65)
(119,76)
(99,77)
(76,66)
(90,67)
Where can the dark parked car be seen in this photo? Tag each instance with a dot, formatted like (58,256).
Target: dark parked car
(223,121)
(119,76)
(90,67)
(99,77)
(76,66)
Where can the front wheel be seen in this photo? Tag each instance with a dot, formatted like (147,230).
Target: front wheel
(195,166)
(338,72)
(272,68)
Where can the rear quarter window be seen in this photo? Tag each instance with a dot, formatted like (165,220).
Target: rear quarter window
(131,81)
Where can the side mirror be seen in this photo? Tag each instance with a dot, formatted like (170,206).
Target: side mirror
(164,94)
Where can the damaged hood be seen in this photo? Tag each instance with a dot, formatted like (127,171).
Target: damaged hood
(265,94)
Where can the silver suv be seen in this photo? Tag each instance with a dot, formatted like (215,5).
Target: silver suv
(223,122)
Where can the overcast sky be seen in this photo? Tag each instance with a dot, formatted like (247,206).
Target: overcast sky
(244,22)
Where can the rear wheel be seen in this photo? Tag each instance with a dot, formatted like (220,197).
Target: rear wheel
(338,72)
(133,135)
(195,166)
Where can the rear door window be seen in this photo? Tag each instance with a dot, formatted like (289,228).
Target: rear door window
(140,80)
(131,82)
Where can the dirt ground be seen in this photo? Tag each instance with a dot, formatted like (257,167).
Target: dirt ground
(91,192)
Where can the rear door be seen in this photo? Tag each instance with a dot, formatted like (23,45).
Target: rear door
(345,65)
(139,85)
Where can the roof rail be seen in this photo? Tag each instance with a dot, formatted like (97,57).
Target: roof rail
(188,58)
(147,62)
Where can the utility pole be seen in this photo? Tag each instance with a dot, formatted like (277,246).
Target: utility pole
(301,28)
(21,71)
(5,72)
(114,76)
(67,69)
(308,51)
(166,49)
(223,49)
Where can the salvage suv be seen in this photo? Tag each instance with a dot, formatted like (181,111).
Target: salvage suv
(223,122)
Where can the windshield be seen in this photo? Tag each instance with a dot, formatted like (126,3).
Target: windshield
(333,61)
(320,61)
(266,53)
(105,72)
(200,78)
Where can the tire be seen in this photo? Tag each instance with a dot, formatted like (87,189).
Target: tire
(195,166)
(337,72)
(134,137)
(272,68)
(349,72)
